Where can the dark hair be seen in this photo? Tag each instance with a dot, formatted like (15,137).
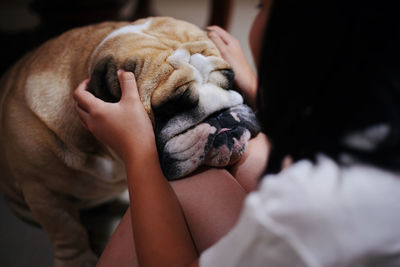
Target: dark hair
(329,69)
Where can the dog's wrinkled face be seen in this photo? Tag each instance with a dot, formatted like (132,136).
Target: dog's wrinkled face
(185,87)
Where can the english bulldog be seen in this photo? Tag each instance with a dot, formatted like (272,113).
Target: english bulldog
(52,167)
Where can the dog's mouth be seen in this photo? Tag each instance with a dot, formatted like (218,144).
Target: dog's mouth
(218,141)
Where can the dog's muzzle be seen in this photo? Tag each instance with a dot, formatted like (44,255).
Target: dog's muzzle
(218,141)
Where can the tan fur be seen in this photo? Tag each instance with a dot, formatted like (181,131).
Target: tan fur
(49,162)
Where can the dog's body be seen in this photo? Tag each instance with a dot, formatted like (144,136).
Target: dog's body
(52,167)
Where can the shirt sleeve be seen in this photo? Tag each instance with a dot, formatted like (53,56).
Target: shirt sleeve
(256,241)
(315,215)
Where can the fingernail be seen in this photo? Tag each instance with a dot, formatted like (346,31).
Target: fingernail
(130,75)
(119,72)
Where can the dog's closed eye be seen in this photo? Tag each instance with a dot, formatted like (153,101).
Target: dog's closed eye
(184,98)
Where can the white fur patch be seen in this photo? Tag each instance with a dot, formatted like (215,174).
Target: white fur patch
(211,97)
(200,65)
(50,88)
(179,58)
(188,149)
(136,29)
(185,146)
(129,29)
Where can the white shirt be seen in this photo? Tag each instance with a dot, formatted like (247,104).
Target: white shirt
(314,215)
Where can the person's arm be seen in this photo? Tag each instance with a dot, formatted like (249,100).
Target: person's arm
(231,51)
(161,235)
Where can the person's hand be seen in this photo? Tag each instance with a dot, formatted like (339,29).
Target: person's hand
(231,51)
(124,126)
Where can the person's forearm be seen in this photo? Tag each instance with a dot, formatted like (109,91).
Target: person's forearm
(250,92)
(161,234)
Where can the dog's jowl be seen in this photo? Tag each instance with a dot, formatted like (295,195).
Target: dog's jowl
(52,167)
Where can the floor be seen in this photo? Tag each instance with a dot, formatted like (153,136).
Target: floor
(26,245)
(22,244)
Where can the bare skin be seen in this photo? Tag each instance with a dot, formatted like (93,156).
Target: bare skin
(166,219)
(207,204)
(232,52)
(208,218)
(211,201)
(157,218)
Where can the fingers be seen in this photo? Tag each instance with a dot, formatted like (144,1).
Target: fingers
(83,97)
(216,38)
(221,45)
(83,115)
(128,85)
(223,35)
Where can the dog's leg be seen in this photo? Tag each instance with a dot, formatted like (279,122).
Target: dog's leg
(60,219)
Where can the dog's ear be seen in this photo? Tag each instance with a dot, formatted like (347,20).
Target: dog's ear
(104,82)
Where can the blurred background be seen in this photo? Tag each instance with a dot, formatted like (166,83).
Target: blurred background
(25,24)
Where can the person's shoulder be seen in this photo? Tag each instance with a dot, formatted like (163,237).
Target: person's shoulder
(327,175)
(324,190)
(312,202)
(315,214)
(304,179)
